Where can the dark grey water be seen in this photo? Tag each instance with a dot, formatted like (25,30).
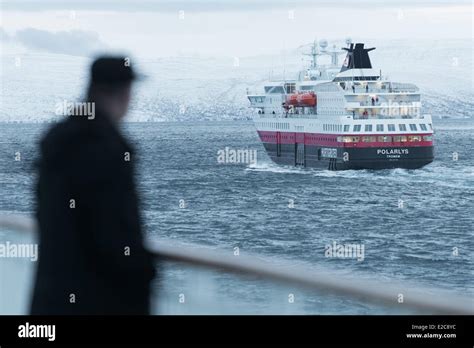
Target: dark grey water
(247,206)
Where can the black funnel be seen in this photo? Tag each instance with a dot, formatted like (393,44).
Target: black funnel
(357,57)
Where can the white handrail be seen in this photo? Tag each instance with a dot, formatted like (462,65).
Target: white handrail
(387,294)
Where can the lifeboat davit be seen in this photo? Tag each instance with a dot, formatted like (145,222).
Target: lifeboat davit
(301,99)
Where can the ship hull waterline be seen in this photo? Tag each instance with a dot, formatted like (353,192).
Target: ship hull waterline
(373,158)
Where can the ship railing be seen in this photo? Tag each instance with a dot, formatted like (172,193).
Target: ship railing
(383,104)
(386,117)
(357,116)
(387,90)
(196,279)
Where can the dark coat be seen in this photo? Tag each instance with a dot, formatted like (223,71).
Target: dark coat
(83,247)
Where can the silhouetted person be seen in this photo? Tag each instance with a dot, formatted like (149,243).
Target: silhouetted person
(92,259)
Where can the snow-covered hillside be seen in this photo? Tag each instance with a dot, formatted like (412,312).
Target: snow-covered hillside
(196,88)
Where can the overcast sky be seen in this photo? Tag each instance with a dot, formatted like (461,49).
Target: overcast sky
(221,28)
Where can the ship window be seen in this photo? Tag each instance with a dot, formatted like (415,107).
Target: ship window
(413,127)
(380,128)
(346,128)
(347,139)
(370,139)
(368,128)
(385,139)
(402,127)
(357,128)
(290,87)
(431,127)
(350,139)
(423,126)
(391,128)
(278,89)
(427,138)
(414,138)
(274,89)
(399,138)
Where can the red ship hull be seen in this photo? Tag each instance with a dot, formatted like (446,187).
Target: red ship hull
(325,151)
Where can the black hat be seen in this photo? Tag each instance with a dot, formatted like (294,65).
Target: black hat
(112,71)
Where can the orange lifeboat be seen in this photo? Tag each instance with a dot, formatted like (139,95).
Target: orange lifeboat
(302,99)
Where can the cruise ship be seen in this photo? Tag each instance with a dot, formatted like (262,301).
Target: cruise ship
(341,117)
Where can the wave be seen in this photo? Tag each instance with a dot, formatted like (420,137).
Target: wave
(275,168)
(460,177)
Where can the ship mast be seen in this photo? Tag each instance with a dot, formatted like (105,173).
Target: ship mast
(314,53)
(319,49)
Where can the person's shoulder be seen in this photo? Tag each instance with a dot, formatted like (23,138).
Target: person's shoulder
(78,146)
(74,134)
(66,131)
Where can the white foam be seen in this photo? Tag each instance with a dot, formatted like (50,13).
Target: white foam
(274,168)
(436,174)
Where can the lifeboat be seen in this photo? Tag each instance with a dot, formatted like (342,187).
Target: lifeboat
(302,99)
